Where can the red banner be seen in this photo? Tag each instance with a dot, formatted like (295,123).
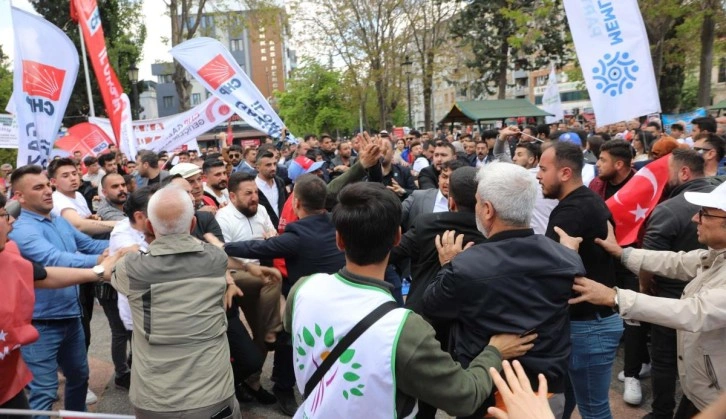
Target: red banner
(87,138)
(86,13)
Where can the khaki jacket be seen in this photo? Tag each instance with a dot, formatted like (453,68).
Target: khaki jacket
(699,316)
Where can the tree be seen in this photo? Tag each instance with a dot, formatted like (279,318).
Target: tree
(123,27)
(367,37)
(428,32)
(708,37)
(510,34)
(316,100)
(6,80)
(186,16)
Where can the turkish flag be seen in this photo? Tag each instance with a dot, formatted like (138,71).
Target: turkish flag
(632,204)
(86,137)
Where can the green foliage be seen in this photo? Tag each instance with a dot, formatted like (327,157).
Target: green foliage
(125,32)
(8,155)
(6,81)
(510,34)
(316,100)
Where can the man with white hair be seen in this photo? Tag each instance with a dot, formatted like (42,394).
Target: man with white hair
(176,292)
(490,289)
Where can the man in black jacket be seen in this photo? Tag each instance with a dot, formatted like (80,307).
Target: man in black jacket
(514,282)
(428,178)
(308,246)
(670,228)
(418,245)
(272,192)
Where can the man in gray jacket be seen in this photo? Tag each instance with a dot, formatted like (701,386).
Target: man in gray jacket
(699,316)
(176,292)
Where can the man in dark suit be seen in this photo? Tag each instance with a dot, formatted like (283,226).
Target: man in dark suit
(308,246)
(272,192)
(418,244)
(428,177)
(430,200)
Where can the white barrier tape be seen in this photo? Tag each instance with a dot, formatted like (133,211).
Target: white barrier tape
(63,414)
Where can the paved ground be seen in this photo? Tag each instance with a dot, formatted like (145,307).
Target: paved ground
(114,400)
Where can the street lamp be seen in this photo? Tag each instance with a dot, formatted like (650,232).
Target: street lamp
(407,66)
(133,73)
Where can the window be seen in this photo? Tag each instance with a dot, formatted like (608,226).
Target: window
(168,101)
(196,98)
(275,86)
(263,58)
(272,47)
(262,35)
(263,43)
(272,54)
(209,94)
(273,68)
(165,78)
(263,51)
(236,45)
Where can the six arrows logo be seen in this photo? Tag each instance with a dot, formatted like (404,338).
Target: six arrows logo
(42,80)
(216,72)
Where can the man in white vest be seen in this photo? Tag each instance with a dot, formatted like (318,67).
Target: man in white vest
(396,360)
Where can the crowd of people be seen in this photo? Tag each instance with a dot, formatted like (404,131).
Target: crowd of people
(390,277)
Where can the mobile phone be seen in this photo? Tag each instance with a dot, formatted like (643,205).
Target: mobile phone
(528,332)
(222,414)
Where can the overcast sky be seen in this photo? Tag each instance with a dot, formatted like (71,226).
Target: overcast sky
(157,27)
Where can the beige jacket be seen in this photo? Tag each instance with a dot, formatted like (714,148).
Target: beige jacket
(699,316)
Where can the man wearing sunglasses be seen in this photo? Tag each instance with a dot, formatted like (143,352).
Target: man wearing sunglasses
(699,315)
(711,147)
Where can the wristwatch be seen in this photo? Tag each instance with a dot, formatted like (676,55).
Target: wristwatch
(616,306)
(99,270)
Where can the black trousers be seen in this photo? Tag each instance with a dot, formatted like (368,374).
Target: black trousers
(19,401)
(686,409)
(635,337)
(245,356)
(87,292)
(120,337)
(283,369)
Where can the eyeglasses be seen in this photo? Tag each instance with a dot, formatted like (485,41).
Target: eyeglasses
(235,156)
(702,213)
(7,216)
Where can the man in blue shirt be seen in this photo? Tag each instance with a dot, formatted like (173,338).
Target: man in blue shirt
(51,241)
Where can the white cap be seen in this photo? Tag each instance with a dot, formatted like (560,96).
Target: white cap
(714,199)
(185,170)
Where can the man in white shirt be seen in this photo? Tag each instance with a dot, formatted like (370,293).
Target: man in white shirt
(430,200)
(527,155)
(69,203)
(215,186)
(94,173)
(272,193)
(245,219)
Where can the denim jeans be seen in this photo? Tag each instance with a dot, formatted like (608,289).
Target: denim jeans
(594,346)
(61,343)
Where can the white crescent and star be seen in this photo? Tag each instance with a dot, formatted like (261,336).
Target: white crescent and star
(646,173)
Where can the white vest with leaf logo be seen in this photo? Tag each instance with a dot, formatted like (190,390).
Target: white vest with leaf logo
(362,382)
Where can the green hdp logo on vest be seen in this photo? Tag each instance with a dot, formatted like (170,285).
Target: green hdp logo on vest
(345,368)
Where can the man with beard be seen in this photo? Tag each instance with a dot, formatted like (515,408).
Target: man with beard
(490,288)
(343,161)
(527,155)
(234,156)
(149,171)
(108,162)
(244,219)
(482,156)
(113,188)
(193,174)
(272,192)
(215,186)
(595,331)
(428,178)
(614,171)
(429,200)
(395,177)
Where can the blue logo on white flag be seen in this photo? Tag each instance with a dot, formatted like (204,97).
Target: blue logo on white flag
(614,73)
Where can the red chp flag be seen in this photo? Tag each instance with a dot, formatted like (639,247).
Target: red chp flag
(85,137)
(86,13)
(632,204)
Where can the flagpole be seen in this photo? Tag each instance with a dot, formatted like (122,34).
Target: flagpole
(85,71)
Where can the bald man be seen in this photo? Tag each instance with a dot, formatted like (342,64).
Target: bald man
(176,292)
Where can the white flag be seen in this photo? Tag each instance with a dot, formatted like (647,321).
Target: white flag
(174,131)
(614,54)
(127,142)
(212,65)
(551,101)
(45,70)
